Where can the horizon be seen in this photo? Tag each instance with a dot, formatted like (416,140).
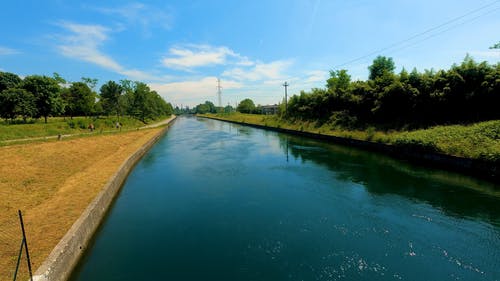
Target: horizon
(180,49)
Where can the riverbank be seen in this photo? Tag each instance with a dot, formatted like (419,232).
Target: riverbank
(59,127)
(447,147)
(53,183)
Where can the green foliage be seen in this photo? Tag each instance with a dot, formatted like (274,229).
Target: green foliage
(381,66)
(15,102)
(144,104)
(78,123)
(59,125)
(477,141)
(228,109)
(207,107)
(246,106)
(41,96)
(416,145)
(342,119)
(79,99)
(339,81)
(496,46)
(9,80)
(47,94)
(110,96)
(468,92)
(58,78)
(90,82)
(480,140)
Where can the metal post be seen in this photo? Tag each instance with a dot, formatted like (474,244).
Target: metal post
(18,259)
(286,98)
(219,93)
(25,245)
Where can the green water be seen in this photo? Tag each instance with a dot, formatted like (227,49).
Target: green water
(217,201)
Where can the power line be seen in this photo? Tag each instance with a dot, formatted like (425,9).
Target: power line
(425,32)
(445,30)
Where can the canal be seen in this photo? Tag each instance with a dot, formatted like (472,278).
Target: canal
(219,201)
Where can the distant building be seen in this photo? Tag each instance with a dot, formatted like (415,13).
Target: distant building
(270,109)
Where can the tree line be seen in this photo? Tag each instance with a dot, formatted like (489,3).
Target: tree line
(38,96)
(245,106)
(467,92)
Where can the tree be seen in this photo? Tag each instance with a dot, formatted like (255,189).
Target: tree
(228,109)
(58,78)
(16,102)
(47,94)
(207,107)
(202,108)
(496,46)
(339,80)
(80,99)
(110,96)
(145,104)
(91,82)
(381,65)
(9,80)
(246,106)
(211,107)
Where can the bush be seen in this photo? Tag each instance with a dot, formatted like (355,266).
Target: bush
(370,133)
(416,145)
(343,119)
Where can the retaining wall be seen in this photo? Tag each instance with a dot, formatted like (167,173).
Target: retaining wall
(474,167)
(65,256)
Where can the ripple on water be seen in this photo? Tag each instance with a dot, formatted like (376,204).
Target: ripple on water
(346,266)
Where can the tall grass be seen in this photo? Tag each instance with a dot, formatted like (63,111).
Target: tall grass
(478,141)
(61,125)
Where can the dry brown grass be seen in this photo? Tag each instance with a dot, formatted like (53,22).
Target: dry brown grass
(52,183)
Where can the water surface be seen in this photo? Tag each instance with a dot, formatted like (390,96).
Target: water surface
(218,201)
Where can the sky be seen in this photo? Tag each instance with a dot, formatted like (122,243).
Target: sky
(180,47)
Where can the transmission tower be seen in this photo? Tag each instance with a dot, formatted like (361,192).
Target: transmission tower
(286,98)
(219,92)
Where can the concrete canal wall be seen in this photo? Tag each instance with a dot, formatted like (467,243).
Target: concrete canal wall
(65,256)
(474,167)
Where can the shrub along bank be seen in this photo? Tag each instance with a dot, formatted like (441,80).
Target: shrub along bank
(475,141)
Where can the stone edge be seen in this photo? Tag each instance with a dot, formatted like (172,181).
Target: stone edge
(65,256)
(468,166)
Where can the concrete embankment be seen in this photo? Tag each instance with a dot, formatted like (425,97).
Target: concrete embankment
(65,256)
(473,167)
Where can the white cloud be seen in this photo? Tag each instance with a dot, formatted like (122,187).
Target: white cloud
(4,51)
(140,14)
(83,43)
(260,71)
(193,91)
(316,76)
(191,56)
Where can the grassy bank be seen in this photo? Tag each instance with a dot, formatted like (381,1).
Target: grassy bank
(64,126)
(53,182)
(477,141)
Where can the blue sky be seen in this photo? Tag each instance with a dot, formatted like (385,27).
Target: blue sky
(180,47)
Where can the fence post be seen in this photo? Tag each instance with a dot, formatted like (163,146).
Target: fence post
(19,259)
(25,244)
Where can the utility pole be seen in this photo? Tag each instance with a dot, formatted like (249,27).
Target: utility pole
(219,88)
(286,97)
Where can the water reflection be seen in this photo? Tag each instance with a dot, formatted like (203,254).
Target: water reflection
(218,201)
(455,194)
